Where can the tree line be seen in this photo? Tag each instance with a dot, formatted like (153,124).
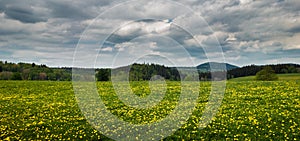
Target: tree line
(253,69)
(27,71)
(138,72)
(134,72)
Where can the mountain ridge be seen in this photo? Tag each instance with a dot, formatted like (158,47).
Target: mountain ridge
(208,66)
(216,66)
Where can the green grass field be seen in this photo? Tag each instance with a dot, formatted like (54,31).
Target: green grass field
(290,76)
(32,110)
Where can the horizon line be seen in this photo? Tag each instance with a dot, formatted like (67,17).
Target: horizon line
(145,63)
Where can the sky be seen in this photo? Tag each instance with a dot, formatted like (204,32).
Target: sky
(112,33)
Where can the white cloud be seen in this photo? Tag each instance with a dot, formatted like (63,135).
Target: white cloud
(243,2)
(292,42)
(144,28)
(109,49)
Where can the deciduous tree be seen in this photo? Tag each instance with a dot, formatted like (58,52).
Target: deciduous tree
(266,74)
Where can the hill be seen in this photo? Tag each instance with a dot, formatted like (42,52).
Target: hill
(206,67)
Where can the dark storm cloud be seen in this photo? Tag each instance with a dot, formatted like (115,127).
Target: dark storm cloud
(23,11)
(290,5)
(23,14)
(197,52)
(232,18)
(295,29)
(60,9)
(5,32)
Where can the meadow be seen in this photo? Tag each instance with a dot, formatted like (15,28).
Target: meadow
(251,110)
(282,77)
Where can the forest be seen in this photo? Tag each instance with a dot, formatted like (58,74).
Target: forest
(32,71)
(27,71)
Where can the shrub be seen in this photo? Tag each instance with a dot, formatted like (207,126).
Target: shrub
(266,74)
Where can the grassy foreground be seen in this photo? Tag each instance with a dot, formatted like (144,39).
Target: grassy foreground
(250,110)
(285,77)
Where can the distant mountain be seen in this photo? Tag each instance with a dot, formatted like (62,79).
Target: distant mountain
(206,67)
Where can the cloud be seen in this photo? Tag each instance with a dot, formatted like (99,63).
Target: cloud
(23,14)
(248,31)
(61,9)
(26,12)
(145,27)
